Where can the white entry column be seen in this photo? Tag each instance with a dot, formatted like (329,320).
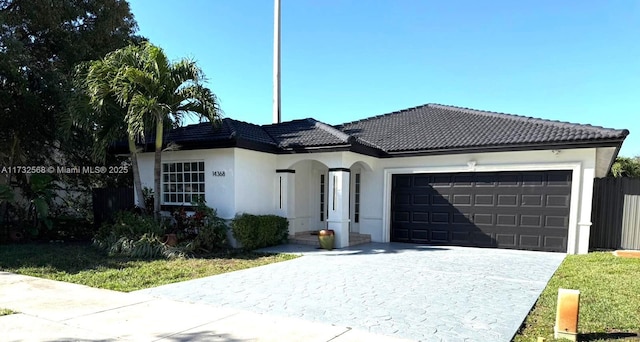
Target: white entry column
(584,220)
(285,196)
(338,218)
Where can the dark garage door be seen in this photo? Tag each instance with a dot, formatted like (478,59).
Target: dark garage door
(519,210)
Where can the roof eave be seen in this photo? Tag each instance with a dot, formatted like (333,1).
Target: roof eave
(314,149)
(508,148)
(614,157)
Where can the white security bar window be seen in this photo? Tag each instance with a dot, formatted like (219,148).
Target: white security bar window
(182,182)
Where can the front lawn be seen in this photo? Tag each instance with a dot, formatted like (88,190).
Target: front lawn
(609,299)
(87,265)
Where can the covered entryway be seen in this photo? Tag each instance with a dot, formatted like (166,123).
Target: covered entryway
(314,196)
(517,210)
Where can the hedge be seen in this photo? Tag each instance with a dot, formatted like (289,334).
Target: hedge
(257,231)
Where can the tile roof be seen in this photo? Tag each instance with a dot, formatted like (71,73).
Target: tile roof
(424,129)
(250,132)
(439,127)
(305,133)
(227,129)
(204,131)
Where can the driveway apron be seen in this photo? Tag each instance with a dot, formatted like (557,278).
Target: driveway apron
(426,293)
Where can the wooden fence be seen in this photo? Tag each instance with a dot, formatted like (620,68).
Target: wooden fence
(615,214)
(108,201)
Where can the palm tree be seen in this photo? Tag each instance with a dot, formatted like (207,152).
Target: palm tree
(96,109)
(160,91)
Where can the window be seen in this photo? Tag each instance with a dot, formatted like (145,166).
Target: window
(280,192)
(322,193)
(356,208)
(335,192)
(182,182)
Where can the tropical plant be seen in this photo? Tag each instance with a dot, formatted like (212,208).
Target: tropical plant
(160,91)
(11,154)
(133,235)
(626,167)
(141,236)
(41,42)
(147,195)
(146,247)
(6,197)
(98,109)
(206,230)
(130,225)
(6,194)
(40,194)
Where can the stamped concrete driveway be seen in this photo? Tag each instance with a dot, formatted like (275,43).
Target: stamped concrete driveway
(425,293)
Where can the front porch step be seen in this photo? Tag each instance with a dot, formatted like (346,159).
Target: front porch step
(305,238)
(359,239)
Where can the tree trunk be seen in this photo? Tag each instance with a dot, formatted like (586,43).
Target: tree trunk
(156,169)
(137,184)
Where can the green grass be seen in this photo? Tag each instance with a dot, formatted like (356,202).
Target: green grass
(4,312)
(609,299)
(84,264)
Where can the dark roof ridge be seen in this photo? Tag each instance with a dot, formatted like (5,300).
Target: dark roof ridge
(275,142)
(232,129)
(262,127)
(522,117)
(243,122)
(330,129)
(284,122)
(233,126)
(360,140)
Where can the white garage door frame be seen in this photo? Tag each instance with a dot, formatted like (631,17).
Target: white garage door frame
(576,182)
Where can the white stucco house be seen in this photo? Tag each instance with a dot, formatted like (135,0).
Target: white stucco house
(431,174)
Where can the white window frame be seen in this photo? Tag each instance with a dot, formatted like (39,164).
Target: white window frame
(179,187)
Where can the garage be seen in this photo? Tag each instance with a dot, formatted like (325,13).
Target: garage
(515,210)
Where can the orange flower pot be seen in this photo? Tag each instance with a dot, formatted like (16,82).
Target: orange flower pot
(171,239)
(326,237)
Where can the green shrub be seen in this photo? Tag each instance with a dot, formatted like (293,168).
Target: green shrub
(257,231)
(131,235)
(211,236)
(204,228)
(141,236)
(130,225)
(147,246)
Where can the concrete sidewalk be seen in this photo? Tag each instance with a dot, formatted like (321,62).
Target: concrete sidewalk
(57,311)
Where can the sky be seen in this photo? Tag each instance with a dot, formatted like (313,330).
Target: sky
(346,60)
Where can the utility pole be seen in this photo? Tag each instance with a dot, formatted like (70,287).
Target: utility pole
(276,62)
